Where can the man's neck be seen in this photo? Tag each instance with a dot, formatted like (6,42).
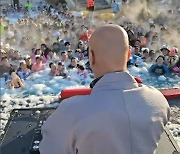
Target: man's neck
(93,83)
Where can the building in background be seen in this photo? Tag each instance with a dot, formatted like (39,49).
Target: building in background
(7,2)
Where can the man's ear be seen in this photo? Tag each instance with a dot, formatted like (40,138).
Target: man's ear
(129,54)
(91,58)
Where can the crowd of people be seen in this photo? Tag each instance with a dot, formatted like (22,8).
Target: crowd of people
(57,39)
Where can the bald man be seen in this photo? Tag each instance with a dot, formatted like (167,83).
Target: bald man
(118,117)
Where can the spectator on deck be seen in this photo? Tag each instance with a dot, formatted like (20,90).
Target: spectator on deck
(28,6)
(115,6)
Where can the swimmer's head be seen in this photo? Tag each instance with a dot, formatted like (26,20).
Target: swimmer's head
(13,75)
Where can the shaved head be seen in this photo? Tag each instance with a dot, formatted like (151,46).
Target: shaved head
(108,50)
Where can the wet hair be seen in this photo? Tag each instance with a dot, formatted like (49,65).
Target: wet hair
(61,41)
(47,39)
(38,57)
(155,36)
(140,34)
(60,64)
(138,41)
(160,56)
(146,51)
(163,28)
(11,71)
(78,50)
(37,51)
(80,43)
(16,51)
(81,67)
(83,26)
(152,25)
(63,53)
(3,58)
(65,31)
(21,63)
(67,43)
(69,51)
(55,43)
(178,63)
(50,64)
(74,58)
(67,26)
(44,45)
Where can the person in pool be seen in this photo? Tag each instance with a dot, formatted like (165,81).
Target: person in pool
(74,63)
(52,66)
(176,68)
(159,68)
(64,58)
(165,52)
(38,66)
(28,61)
(82,73)
(15,81)
(23,72)
(79,54)
(61,70)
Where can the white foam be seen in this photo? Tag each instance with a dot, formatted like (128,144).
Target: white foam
(162,78)
(143,70)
